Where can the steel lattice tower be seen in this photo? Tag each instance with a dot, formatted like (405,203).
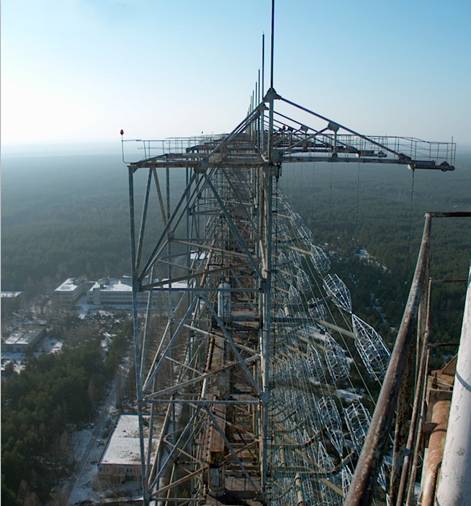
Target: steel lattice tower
(239,386)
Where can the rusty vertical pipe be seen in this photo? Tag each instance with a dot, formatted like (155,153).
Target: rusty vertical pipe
(436,444)
(413,439)
(364,479)
(425,355)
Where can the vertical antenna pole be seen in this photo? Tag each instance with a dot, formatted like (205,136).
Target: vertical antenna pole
(271,91)
(272,41)
(263,65)
(259,99)
(268,171)
(169,292)
(263,92)
(136,337)
(252,100)
(255,103)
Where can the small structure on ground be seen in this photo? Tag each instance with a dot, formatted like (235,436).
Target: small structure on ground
(11,301)
(121,458)
(23,339)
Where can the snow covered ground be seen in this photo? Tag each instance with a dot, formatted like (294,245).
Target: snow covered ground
(89,444)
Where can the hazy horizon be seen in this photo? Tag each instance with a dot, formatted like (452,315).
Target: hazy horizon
(79,71)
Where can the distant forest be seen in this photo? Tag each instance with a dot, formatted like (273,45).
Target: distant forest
(68,215)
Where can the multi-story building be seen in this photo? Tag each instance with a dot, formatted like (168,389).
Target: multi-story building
(113,293)
(116,293)
(70,290)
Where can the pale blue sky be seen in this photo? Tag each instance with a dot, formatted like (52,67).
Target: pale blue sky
(79,70)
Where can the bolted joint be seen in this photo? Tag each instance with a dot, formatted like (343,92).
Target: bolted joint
(445,167)
(404,158)
(274,169)
(271,95)
(264,397)
(333,126)
(137,285)
(277,156)
(202,166)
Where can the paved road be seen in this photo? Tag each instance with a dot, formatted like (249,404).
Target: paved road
(80,486)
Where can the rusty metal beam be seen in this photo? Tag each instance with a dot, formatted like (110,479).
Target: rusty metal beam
(364,479)
(362,486)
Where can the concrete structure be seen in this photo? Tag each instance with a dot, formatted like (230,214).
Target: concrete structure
(24,339)
(454,488)
(437,402)
(70,290)
(121,458)
(11,301)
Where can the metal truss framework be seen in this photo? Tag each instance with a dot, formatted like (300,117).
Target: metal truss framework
(241,389)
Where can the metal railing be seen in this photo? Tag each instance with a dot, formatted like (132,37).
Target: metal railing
(134,150)
(397,410)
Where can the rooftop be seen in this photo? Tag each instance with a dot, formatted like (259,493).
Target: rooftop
(123,447)
(113,284)
(175,284)
(23,337)
(201,255)
(11,295)
(69,285)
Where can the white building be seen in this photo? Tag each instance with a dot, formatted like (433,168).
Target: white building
(114,293)
(70,290)
(11,301)
(121,459)
(23,340)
